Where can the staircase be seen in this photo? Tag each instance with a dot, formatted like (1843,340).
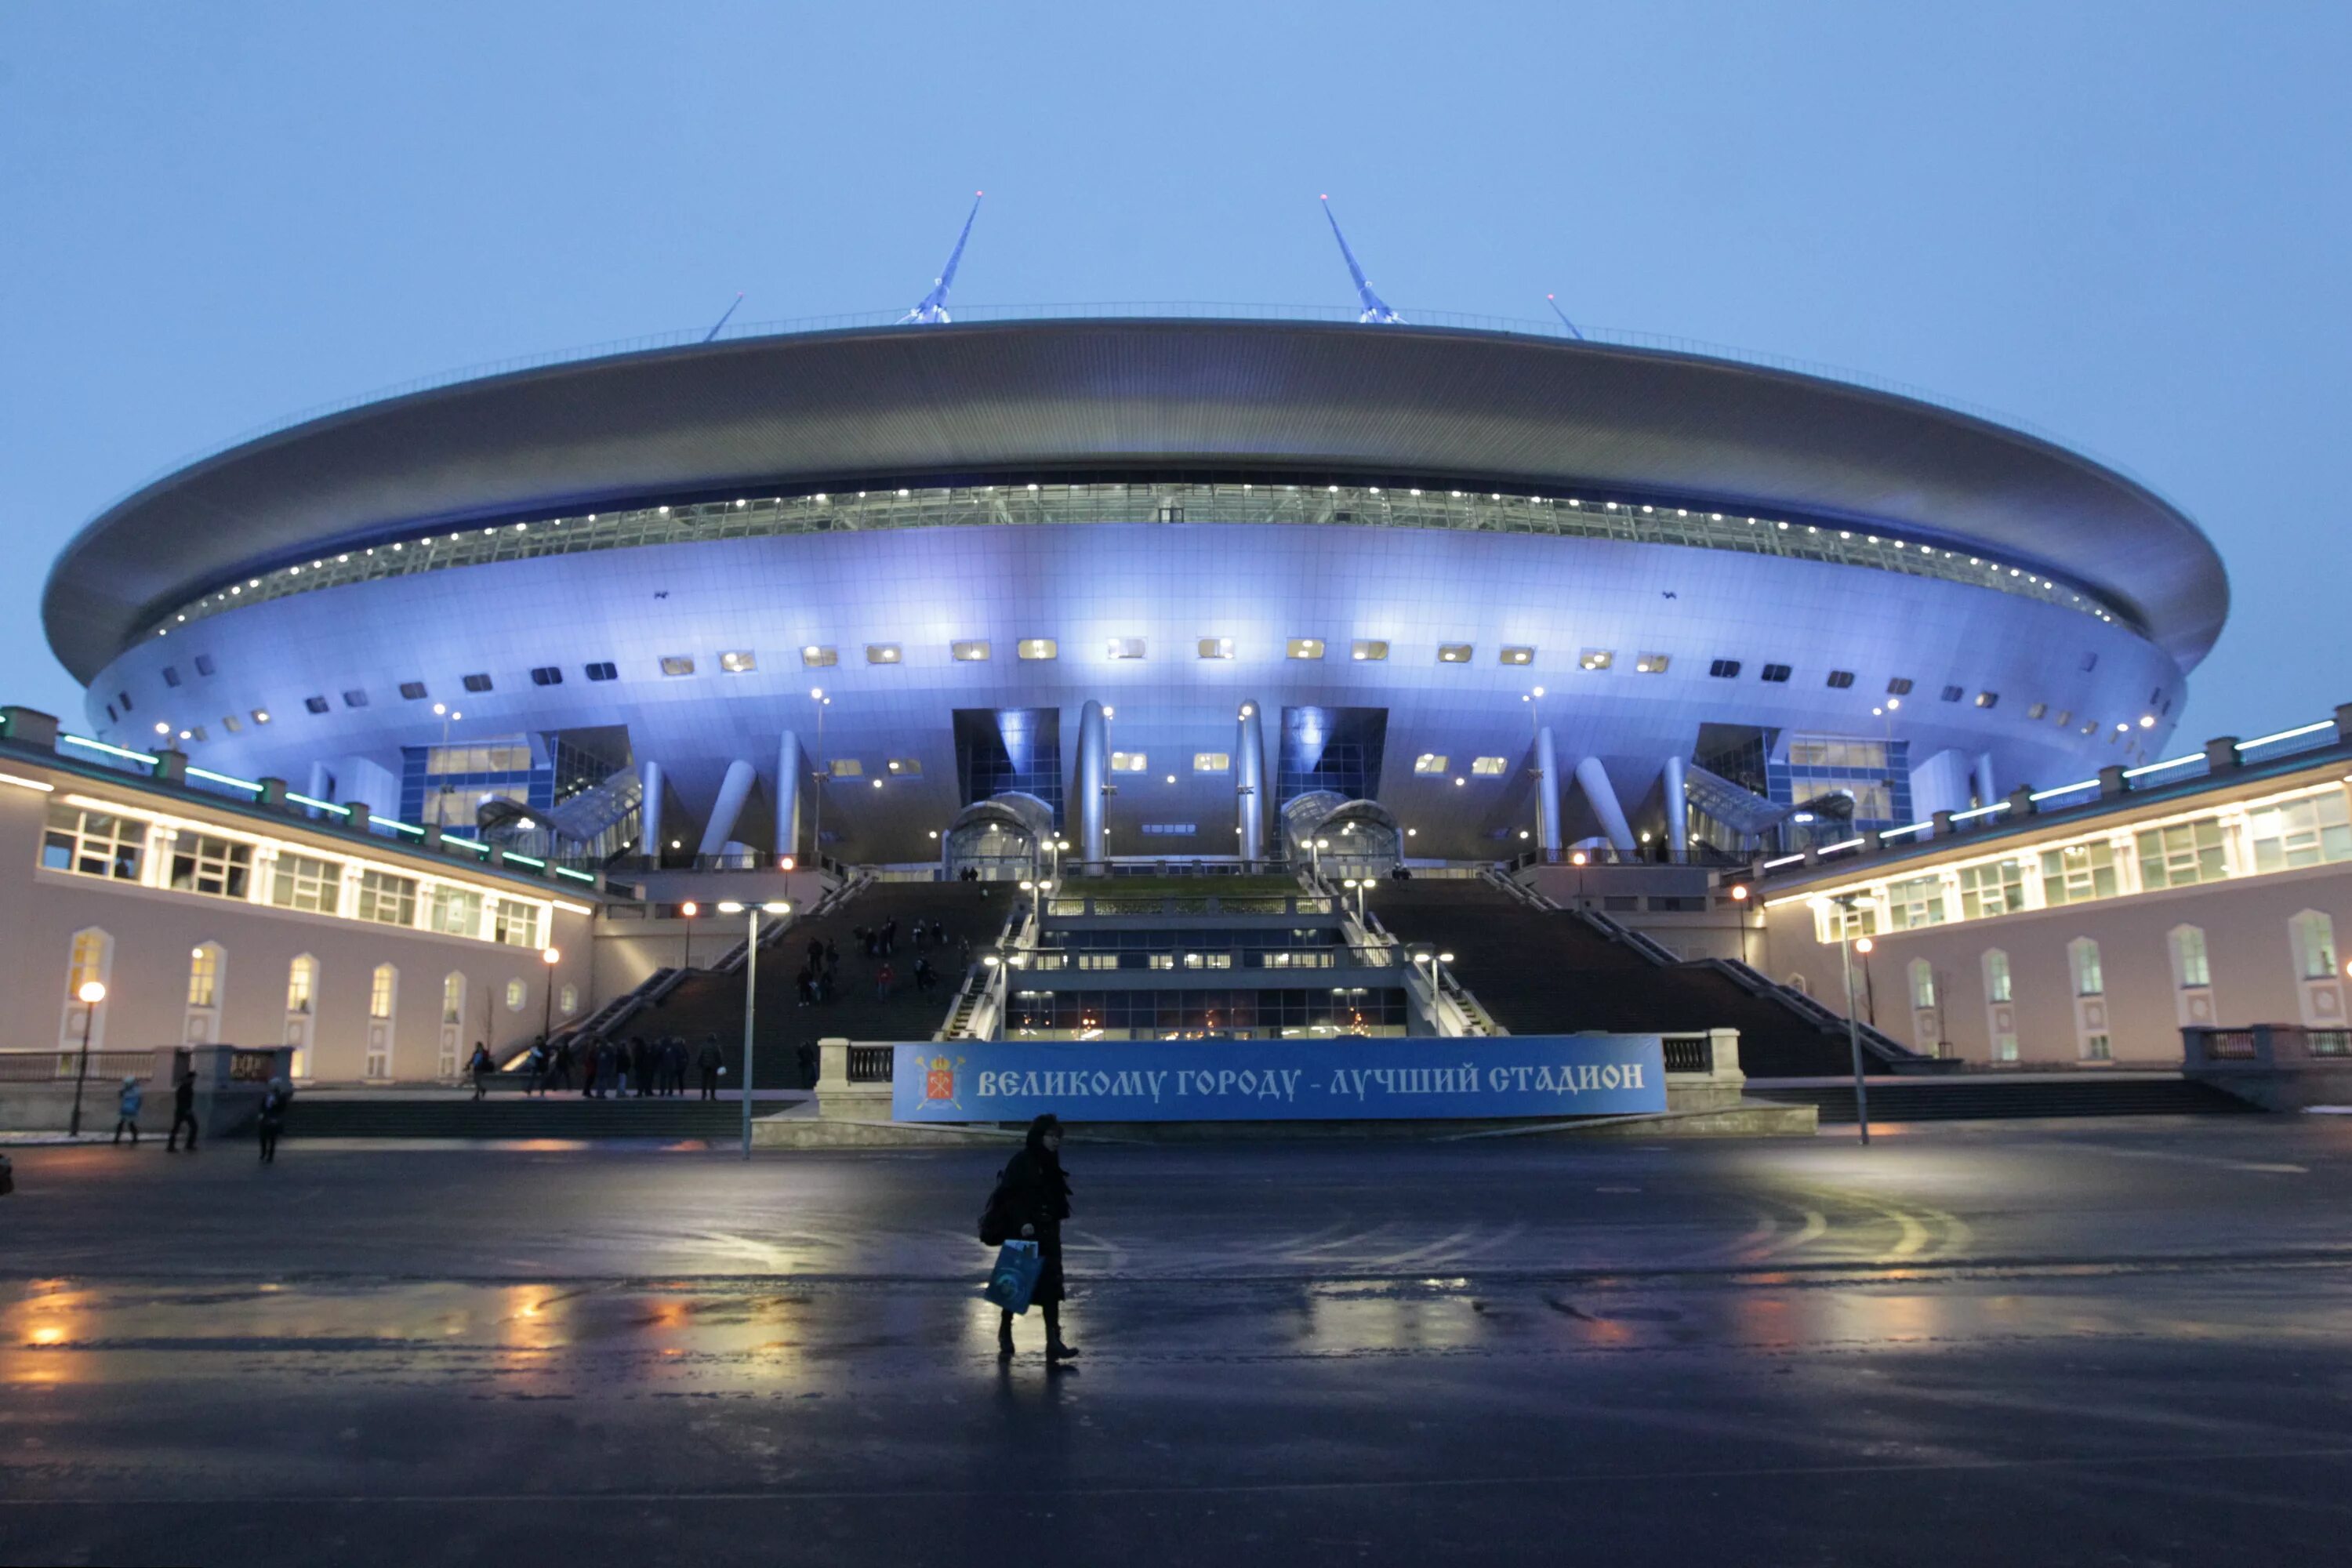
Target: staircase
(1543,970)
(1970,1097)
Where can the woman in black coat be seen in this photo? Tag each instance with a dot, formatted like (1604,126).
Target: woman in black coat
(1036,1197)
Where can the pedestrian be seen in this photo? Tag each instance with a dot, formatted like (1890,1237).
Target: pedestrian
(713,1062)
(127,1112)
(184,1111)
(674,1059)
(967,952)
(808,1061)
(641,1064)
(535,1066)
(815,951)
(481,1067)
(889,936)
(1032,1195)
(923,975)
(272,1120)
(882,978)
(919,934)
(804,986)
(561,1078)
(607,1070)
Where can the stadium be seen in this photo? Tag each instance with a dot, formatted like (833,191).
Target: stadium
(1171,586)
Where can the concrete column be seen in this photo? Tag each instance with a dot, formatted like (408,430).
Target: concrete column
(321,784)
(1677,813)
(1094,774)
(1594,778)
(733,790)
(1548,835)
(1985,796)
(1249,786)
(789,769)
(650,841)
(2111,782)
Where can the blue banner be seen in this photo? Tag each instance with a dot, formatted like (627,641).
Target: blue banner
(1382,1077)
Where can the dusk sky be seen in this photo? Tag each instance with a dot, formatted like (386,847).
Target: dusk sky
(2125,224)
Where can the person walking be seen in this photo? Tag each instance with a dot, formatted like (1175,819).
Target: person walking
(127,1112)
(882,978)
(481,1067)
(183,1111)
(560,1077)
(924,978)
(1033,1196)
(535,1066)
(713,1062)
(272,1120)
(607,1069)
(676,1058)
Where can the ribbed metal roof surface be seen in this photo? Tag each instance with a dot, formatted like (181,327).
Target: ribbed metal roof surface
(1009,398)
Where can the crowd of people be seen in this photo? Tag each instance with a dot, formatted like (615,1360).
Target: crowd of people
(819,981)
(635,1068)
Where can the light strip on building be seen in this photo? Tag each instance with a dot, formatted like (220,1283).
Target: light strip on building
(147,757)
(28,783)
(225,779)
(294,799)
(2286,734)
(575,876)
(2042,794)
(2167,763)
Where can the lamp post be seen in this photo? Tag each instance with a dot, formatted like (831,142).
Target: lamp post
(1863,946)
(687,912)
(92,993)
(1739,914)
(751,992)
(820,772)
(1315,851)
(550,956)
(1852,1033)
(1534,699)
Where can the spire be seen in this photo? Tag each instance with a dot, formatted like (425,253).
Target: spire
(1564,318)
(933,306)
(1375,309)
(723,319)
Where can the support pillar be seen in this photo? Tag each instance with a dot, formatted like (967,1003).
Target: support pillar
(733,790)
(1594,778)
(789,768)
(1985,793)
(650,783)
(1547,834)
(323,782)
(1677,813)
(1249,788)
(1093,776)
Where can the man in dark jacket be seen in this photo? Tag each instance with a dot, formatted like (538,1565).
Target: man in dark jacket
(1035,1198)
(183,1111)
(272,1120)
(710,1061)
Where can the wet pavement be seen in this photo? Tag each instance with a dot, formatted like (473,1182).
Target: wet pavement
(2057,1342)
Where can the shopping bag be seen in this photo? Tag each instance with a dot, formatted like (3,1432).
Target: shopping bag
(1015,1276)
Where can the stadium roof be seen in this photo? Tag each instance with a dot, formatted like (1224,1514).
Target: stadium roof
(1140,396)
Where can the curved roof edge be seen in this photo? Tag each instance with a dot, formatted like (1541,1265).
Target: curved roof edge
(1137,391)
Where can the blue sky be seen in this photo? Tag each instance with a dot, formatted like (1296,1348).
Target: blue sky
(2127,223)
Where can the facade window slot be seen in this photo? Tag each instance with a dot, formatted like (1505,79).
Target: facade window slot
(355,699)
(1899,686)
(1454,652)
(1037,647)
(1776,673)
(602,671)
(815,657)
(478,683)
(315,704)
(1724,669)
(1305,648)
(1652,664)
(413,691)
(1370,647)
(547,675)
(742,661)
(1216,648)
(1841,679)
(970,651)
(676,663)
(1127,648)
(881,652)
(1429,763)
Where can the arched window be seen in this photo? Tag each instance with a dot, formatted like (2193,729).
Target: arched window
(383,989)
(2083,955)
(453,997)
(205,961)
(383,998)
(2313,938)
(2191,967)
(567,1001)
(302,1005)
(1923,984)
(89,958)
(514,996)
(1996,976)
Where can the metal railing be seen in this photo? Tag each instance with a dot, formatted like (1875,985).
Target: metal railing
(872,1064)
(51,1066)
(2262,1045)
(1689,1053)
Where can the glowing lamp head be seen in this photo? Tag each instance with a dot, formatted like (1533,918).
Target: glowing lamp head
(91,991)
(550,956)
(1863,944)
(690,909)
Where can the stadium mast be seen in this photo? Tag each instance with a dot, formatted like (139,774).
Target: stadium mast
(1375,309)
(933,306)
(1564,322)
(722,320)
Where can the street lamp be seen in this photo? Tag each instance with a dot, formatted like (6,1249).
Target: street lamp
(751,992)
(1359,885)
(1846,946)
(1316,853)
(91,995)
(1863,946)
(550,956)
(687,912)
(816,804)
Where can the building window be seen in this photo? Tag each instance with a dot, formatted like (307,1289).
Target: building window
(1995,888)
(123,698)
(301,984)
(2078,873)
(881,652)
(1953,694)
(216,866)
(2311,832)
(456,912)
(1988,699)
(315,704)
(1833,752)
(1724,669)
(1216,648)
(547,675)
(306,882)
(1454,652)
(1037,647)
(478,682)
(567,1001)
(171,675)
(384,987)
(1841,679)
(1915,901)
(2182,856)
(678,664)
(1522,656)
(262,715)
(93,843)
(2313,935)
(453,997)
(355,699)
(2083,955)
(514,924)
(2191,967)
(1128,761)
(1595,658)
(204,976)
(1429,763)
(387,900)
(740,661)
(1370,649)
(2065,717)
(1211,762)
(2037,710)
(1125,647)
(233,725)
(1488,767)
(815,657)
(91,957)
(1652,663)
(971,650)
(413,691)
(514,996)
(1922,975)
(905,767)
(1776,673)
(605,670)
(848,768)
(1305,647)
(203,664)
(1996,976)
(1898,687)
